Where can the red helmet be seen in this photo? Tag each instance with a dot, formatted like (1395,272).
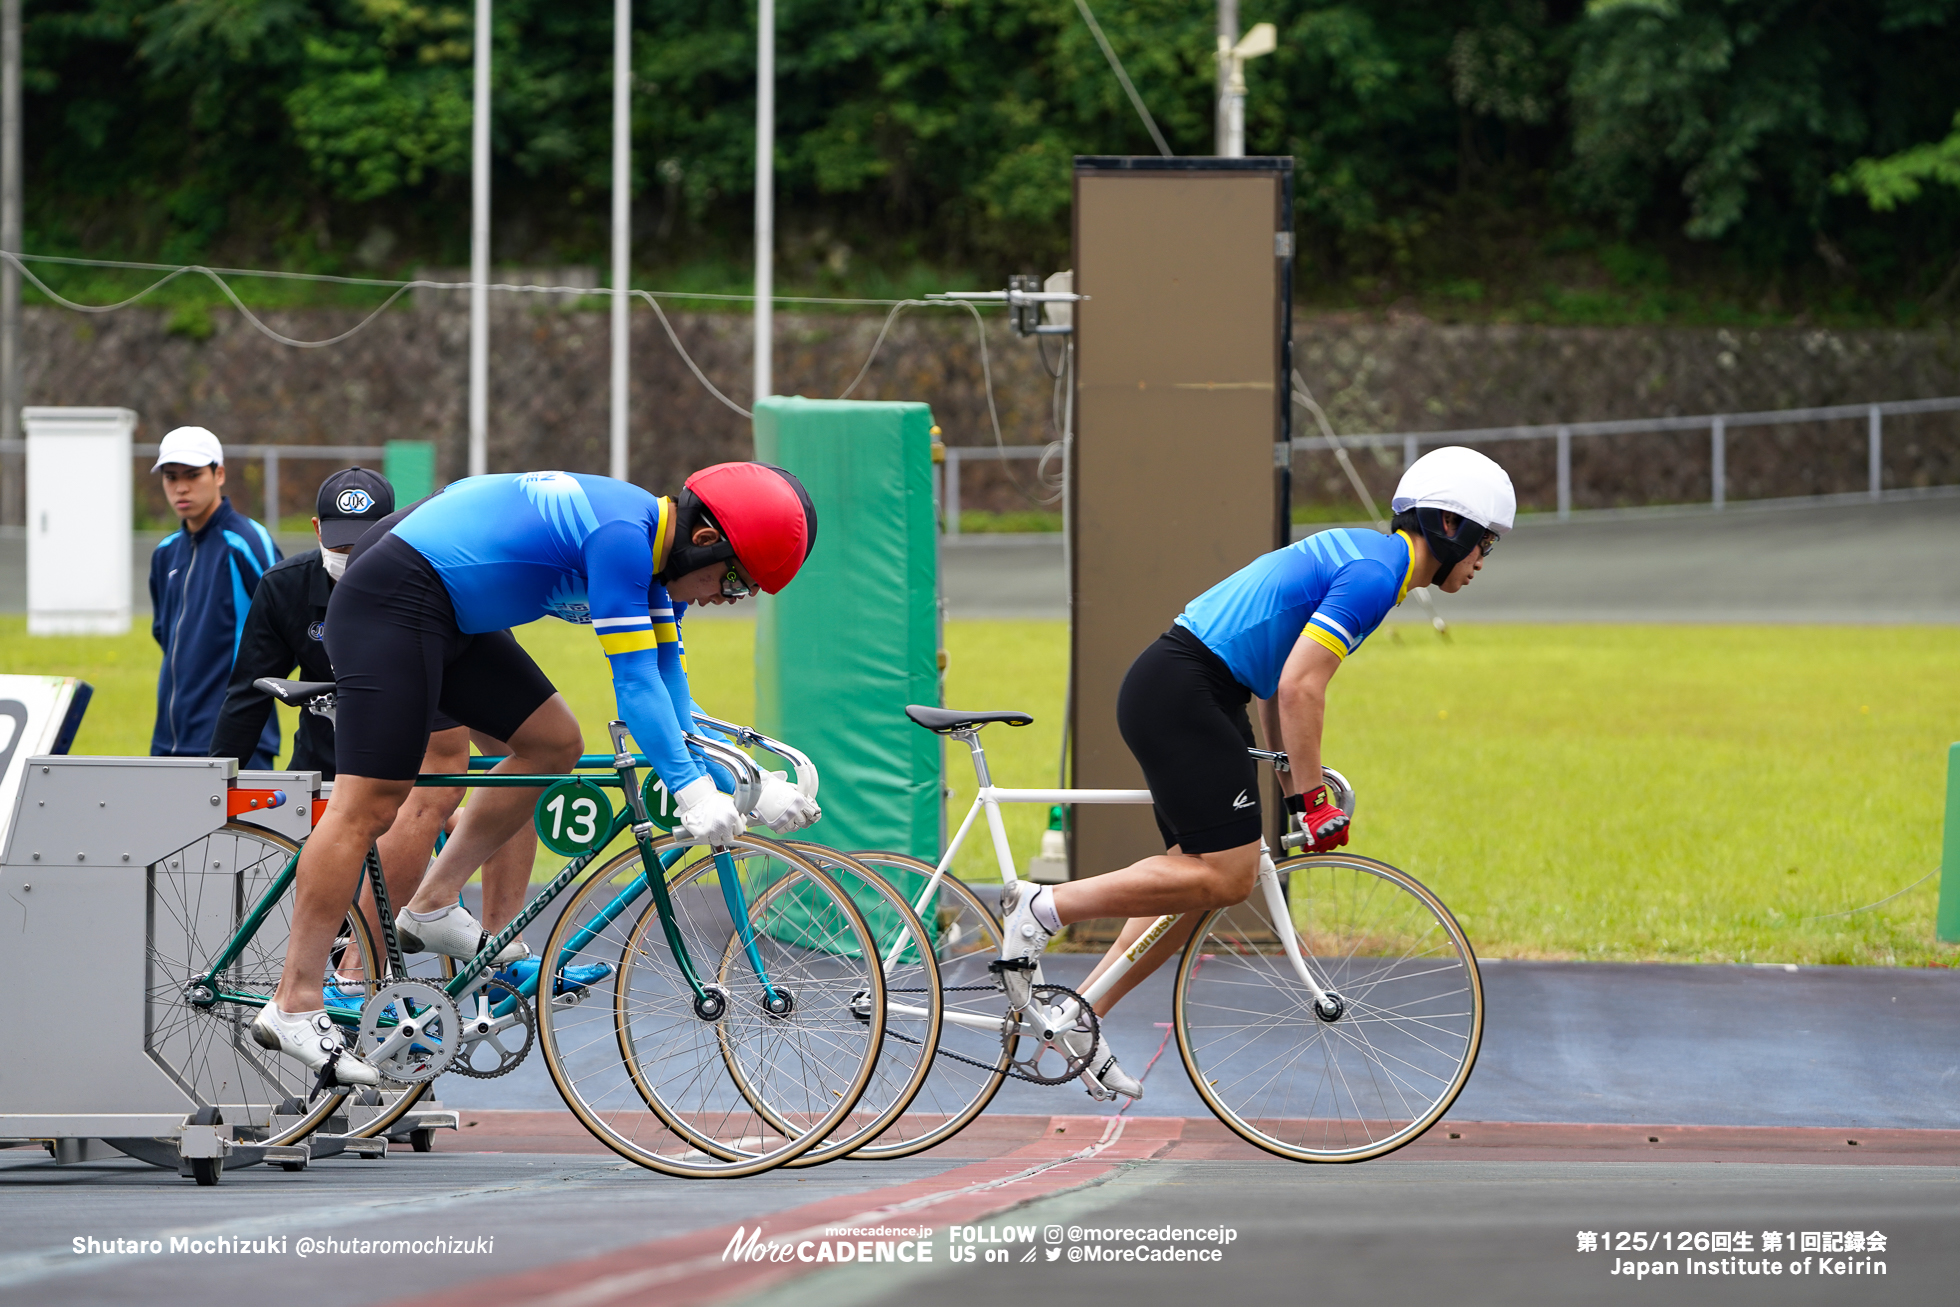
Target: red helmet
(765,514)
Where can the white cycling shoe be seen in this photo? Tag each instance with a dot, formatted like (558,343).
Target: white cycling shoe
(1104,1078)
(456,934)
(1022,939)
(312,1039)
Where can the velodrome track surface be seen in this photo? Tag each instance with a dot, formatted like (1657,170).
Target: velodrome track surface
(1607,1098)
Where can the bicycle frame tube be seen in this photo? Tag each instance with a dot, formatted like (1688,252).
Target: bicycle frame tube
(738,912)
(605,917)
(990,796)
(250,925)
(468,972)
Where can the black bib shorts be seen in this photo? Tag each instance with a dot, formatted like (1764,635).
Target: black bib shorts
(1183,715)
(401,665)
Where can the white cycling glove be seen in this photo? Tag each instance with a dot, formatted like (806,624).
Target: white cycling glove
(782,807)
(706,814)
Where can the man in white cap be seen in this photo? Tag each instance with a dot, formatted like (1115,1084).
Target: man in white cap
(202,578)
(1276,630)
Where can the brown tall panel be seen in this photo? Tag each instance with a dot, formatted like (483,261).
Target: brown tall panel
(1183,347)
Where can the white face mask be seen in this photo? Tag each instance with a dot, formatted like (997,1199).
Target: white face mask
(333,562)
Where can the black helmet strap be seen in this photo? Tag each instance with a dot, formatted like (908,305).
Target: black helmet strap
(685,556)
(1449,549)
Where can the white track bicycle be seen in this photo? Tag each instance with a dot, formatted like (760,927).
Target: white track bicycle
(1332,1017)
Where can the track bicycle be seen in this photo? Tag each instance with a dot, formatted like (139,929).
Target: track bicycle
(1332,1017)
(792,1010)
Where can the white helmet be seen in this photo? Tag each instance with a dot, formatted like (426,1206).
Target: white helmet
(1466,483)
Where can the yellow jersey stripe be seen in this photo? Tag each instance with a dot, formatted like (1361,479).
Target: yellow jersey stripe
(1327,639)
(1409,575)
(624,642)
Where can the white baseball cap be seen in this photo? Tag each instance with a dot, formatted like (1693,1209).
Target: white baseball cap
(191,446)
(1461,481)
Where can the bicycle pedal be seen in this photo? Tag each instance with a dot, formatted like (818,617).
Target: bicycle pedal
(1001,965)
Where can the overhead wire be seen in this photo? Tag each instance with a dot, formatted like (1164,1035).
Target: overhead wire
(1129,88)
(217,276)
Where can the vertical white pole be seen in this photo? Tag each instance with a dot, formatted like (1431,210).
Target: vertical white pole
(622,224)
(1564,472)
(1875,451)
(952,490)
(10,235)
(272,489)
(1228,36)
(479,415)
(765,198)
(1718,458)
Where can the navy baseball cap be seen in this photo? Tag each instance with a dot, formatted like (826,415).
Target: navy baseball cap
(350,503)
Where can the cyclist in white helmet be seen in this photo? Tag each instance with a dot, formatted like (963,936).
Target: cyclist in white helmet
(1276,631)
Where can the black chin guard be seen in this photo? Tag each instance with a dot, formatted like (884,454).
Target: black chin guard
(685,556)
(1449,549)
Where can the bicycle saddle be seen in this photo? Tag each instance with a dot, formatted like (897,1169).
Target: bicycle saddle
(942,720)
(292,693)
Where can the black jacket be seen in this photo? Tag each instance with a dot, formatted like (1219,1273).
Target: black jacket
(284,627)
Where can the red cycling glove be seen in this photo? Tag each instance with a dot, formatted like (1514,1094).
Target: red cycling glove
(1326,825)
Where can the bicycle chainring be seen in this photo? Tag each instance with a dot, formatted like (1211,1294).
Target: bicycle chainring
(429,1052)
(486,1050)
(1073,1065)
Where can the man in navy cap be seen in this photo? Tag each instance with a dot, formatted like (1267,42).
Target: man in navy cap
(286,625)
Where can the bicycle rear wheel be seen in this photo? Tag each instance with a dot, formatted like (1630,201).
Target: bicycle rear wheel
(647,1074)
(198,897)
(970,1064)
(1370,1080)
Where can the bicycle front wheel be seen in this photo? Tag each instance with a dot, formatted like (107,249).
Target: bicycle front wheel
(1281,1074)
(645,1066)
(199,897)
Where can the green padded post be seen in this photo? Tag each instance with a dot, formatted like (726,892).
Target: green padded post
(855,637)
(410,466)
(1947,924)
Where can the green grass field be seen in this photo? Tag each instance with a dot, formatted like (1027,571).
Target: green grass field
(1684,794)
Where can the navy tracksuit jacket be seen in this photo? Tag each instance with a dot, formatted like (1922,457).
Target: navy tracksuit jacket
(201,587)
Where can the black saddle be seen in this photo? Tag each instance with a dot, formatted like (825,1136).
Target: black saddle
(944,720)
(294,694)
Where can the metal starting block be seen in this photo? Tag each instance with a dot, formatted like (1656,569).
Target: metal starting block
(77,867)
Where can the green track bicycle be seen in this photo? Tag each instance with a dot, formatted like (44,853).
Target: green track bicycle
(739,1029)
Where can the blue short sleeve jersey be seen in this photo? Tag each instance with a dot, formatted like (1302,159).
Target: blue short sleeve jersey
(1335,587)
(515,547)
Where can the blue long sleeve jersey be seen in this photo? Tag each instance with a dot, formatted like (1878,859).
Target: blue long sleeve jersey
(201,586)
(1334,587)
(515,547)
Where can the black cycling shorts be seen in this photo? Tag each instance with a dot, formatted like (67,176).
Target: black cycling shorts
(1183,715)
(399,661)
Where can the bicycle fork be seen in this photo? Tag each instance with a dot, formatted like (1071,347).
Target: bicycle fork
(1327,1004)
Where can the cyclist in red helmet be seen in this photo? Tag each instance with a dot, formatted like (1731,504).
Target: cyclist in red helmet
(420,621)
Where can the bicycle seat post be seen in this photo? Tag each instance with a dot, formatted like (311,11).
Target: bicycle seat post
(971,736)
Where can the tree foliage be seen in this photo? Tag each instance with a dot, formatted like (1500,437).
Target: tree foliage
(943,130)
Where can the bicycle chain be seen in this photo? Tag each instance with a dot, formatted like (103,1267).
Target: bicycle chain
(1009,1071)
